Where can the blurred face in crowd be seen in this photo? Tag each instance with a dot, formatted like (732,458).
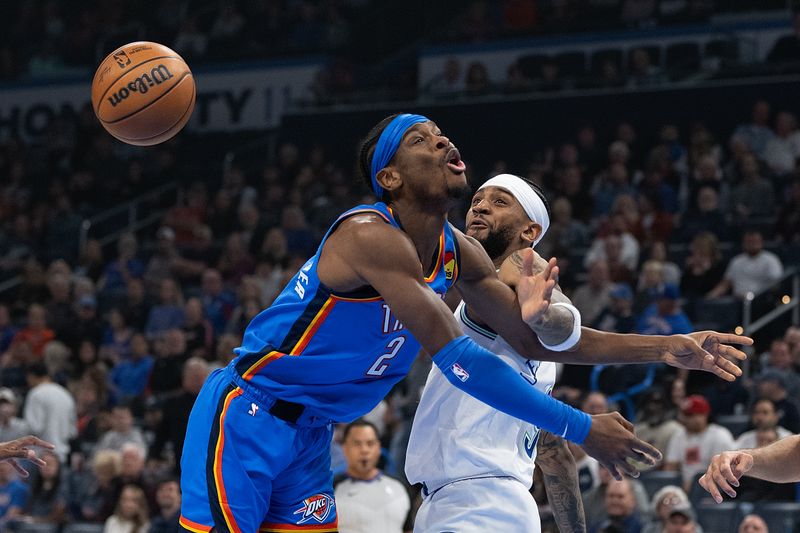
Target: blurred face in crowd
(139,346)
(764,415)
(122,420)
(194,311)
(362,449)
(753,523)
(168,293)
(36,317)
(707,200)
(132,461)
(779,355)
(665,505)
(168,495)
(752,243)
(695,423)
(598,274)
(761,112)
(212,282)
(130,501)
(620,501)
(679,523)
(595,404)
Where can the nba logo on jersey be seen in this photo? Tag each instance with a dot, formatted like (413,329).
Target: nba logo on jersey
(253,409)
(317,507)
(460,373)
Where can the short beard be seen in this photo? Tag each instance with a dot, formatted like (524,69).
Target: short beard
(459,192)
(497,241)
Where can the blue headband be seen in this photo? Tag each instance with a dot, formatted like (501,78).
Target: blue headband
(388,143)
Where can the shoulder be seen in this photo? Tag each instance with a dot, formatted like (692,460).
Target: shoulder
(340,479)
(370,234)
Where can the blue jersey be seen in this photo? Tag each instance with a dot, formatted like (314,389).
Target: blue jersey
(337,353)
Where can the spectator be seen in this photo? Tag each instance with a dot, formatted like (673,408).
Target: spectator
(131,514)
(564,232)
(175,413)
(13,494)
(11,426)
(50,410)
(642,72)
(664,501)
(170,351)
(88,324)
(752,271)
(168,313)
(218,302)
(754,196)
(367,499)
(125,267)
(753,523)
(703,268)
(136,306)
(60,315)
(612,183)
(47,503)
(477,81)
(692,446)
(657,424)
(122,431)
(780,358)
(36,334)
(772,384)
(163,263)
(784,147)
(116,343)
(626,252)
(96,491)
(617,316)
(448,81)
(757,133)
(571,187)
(621,512)
(129,378)
(168,500)
(594,500)
(591,297)
(198,330)
(664,317)
(651,283)
(763,416)
(682,519)
(706,216)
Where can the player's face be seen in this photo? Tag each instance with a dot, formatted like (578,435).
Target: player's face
(496,220)
(430,165)
(362,449)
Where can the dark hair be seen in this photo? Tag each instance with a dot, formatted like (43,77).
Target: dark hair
(357,424)
(37,369)
(763,399)
(367,149)
(540,193)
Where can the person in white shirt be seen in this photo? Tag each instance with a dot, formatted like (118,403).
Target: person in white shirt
(50,410)
(11,426)
(754,270)
(692,447)
(368,500)
(763,416)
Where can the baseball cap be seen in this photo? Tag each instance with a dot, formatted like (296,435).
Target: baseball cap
(683,509)
(696,405)
(669,290)
(621,290)
(7,395)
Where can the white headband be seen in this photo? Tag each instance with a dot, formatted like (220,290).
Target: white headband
(531,203)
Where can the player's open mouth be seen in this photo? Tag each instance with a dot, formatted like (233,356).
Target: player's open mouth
(477,224)
(454,162)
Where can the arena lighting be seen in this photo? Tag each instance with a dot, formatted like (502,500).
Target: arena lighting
(785,299)
(738,330)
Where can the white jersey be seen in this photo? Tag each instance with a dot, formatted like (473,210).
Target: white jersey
(455,436)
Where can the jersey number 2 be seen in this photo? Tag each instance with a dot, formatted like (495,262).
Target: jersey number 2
(379,366)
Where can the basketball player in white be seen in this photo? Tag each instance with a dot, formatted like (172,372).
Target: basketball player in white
(476,464)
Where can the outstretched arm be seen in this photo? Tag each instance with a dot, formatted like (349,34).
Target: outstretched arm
(779,462)
(561,483)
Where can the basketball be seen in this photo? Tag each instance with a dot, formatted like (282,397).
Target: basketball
(143,93)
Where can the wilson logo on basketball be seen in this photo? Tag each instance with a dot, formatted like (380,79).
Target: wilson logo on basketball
(317,507)
(142,84)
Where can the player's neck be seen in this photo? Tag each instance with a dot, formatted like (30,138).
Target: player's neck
(424,226)
(363,476)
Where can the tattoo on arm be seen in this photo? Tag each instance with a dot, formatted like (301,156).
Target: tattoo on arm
(561,483)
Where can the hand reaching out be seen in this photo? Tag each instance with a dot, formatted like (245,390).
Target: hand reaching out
(22,449)
(535,290)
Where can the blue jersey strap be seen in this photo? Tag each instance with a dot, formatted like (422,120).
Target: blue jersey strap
(481,374)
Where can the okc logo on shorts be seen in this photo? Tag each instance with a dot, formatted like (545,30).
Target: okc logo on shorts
(317,507)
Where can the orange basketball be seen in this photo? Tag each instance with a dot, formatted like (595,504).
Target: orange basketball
(143,93)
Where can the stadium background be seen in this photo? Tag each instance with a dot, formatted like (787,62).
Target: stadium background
(648,101)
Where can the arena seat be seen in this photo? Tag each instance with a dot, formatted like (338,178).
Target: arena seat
(736,424)
(600,56)
(779,516)
(718,517)
(722,313)
(656,479)
(571,64)
(531,65)
(83,528)
(682,58)
(726,50)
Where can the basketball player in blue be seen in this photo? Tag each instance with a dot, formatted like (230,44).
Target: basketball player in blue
(348,326)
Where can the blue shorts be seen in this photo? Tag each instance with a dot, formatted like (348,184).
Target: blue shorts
(245,470)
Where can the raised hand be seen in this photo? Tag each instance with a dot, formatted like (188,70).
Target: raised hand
(21,449)
(611,441)
(708,351)
(535,290)
(724,472)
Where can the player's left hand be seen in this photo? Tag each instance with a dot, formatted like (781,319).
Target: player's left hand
(709,351)
(535,290)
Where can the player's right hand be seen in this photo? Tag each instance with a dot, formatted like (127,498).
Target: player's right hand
(612,442)
(724,472)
